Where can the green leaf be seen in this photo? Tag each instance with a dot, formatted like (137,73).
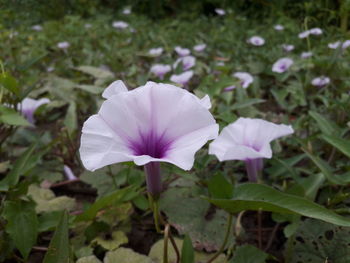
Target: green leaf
(9,83)
(326,169)
(22,224)
(114,198)
(21,166)
(97,73)
(342,145)
(246,103)
(123,254)
(261,197)
(249,254)
(187,252)
(11,117)
(219,187)
(117,239)
(71,117)
(326,126)
(59,251)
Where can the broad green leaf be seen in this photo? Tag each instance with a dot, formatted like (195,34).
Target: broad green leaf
(342,145)
(327,127)
(20,167)
(97,73)
(118,238)
(22,224)
(89,259)
(317,242)
(90,88)
(187,252)
(114,198)
(11,117)
(59,250)
(262,197)
(9,83)
(219,187)
(125,255)
(249,254)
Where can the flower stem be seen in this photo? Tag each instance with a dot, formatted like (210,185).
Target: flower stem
(222,248)
(153,179)
(154,205)
(165,248)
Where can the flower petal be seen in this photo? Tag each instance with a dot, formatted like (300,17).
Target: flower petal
(114,88)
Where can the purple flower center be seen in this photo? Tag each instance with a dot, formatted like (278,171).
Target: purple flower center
(283,67)
(151,144)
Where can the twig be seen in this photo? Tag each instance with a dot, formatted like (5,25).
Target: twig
(165,248)
(177,252)
(64,183)
(273,233)
(40,248)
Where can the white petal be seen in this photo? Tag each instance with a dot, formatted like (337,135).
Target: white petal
(114,88)
(205,101)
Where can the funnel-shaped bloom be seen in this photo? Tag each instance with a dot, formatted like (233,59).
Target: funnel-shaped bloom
(187,62)
(287,47)
(182,51)
(320,81)
(278,27)
(160,70)
(334,45)
(182,78)
(256,41)
(150,124)
(120,24)
(28,106)
(282,65)
(63,45)
(220,12)
(248,140)
(245,80)
(306,54)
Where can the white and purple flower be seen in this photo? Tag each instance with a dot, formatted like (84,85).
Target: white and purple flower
(28,107)
(120,24)
(306,54)
(126,11)
(150,124)
(256,41)
(248,140)
(182,78)
(278,27)
(320,81)
(245,80)
(37,28)
(282,65)
(287,48)
(199,47)
(220,12)
(182,51)
(187,62)
(156,51)
(160,70)
(63,45)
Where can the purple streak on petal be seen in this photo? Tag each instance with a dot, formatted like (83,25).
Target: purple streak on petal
(29,115)
(151,144)
(153,178)
(229,88)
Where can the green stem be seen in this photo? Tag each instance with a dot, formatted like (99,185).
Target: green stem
(154,205)
(227,235)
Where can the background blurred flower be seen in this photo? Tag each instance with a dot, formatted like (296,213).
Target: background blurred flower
(160,70)
(63,45)
(245,78)
(37,27)
(306,54)
(127,11)
(248,140)
(278,27)
(334,45)
(28,107)
(150,124)
(200,47)
(220,11)
(182,51)
(256,41)
(182,78)
(187,62)
(316,31)
(282,65)
(87,25)
(120,24)
(287,47)
(69,173)
(156,51)
(320,81)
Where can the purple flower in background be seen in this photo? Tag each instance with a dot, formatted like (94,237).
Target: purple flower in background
(320,81)
(245,80)
(282,65)
(256,41)
(278,27)
(346,44)
(151,124)
(287,47)
(156,51)
(200,47)
(248,140)
(187,62)
(120,24)
(160,70)
(37,28)
(127,11)
(306,54)
(182,51)
(220,12)
(334,45)
(182,78)
(316,31)
(304,34)
(87,25)
(28,107)
(63,45)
